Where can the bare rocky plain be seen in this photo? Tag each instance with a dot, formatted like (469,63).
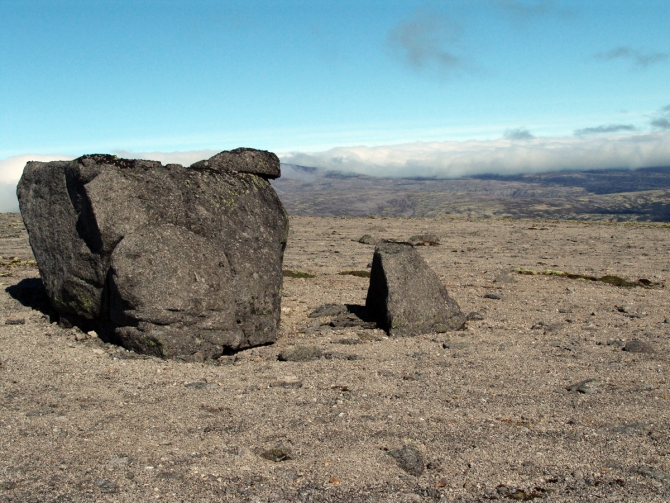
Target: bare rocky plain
(557,391)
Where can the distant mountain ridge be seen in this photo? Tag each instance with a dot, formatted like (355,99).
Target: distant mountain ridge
(614,194)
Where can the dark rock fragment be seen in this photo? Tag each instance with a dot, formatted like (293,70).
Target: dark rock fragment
(637,346)
(277,454)
(349,321)
(406,297)
(367,239)
(474,316)
(492,295)
(15,321)
(328,310)
(585,387)
(300,354)
(336,355)
(409,459)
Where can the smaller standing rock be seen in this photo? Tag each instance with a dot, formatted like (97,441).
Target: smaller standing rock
(409,459)
(406,297)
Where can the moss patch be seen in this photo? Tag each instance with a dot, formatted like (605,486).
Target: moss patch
(288,273)
(609,279)
(13,262)
(360,274)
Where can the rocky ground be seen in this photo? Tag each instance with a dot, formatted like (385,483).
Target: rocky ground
(557,390)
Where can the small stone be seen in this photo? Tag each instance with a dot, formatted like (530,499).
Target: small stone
(455,345)
(491,295)
(424,240)
(367,239)
(350,341)
(409,459)
(80,336)
(106,486)
(504,277)
(652,473)
(277,454)
(636,346)
(92,334)
(474,316)
(328,310)
(196,385)
(351,320)
(291,382)
(585,387)
(554,327)
(300,354)
(334,355)
(15,321)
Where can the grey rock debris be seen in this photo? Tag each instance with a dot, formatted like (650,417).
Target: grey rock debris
(164,260)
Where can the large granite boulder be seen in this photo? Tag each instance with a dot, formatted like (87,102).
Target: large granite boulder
(406,297)
(164,260)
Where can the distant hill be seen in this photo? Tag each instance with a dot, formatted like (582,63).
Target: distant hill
(614,195)
(601,181)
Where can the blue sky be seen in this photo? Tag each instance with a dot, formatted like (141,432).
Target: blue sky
(311,79)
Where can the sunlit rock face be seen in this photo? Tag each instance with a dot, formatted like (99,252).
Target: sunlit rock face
(165,260)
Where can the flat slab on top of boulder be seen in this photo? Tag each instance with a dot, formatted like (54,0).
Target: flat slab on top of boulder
(165,260)
(406,297)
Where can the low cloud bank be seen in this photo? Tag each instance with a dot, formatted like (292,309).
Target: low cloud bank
(451,159)
(519,152)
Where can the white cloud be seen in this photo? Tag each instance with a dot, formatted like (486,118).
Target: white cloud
(451,159)
(11,170)
(448,159)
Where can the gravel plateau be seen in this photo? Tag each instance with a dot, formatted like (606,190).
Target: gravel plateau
(556,389)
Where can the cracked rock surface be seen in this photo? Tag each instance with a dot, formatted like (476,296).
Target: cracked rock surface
(165,260)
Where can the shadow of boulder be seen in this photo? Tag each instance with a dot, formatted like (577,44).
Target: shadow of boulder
(31,293)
